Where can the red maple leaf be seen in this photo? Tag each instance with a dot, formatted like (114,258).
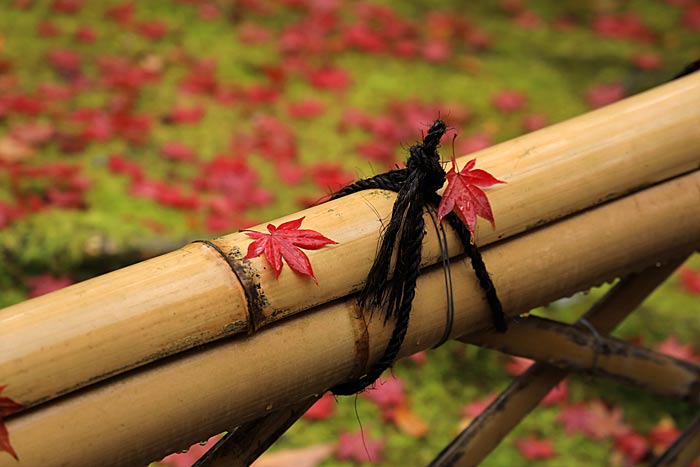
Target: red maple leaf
(322,408)
(462,193)
(532,448)
(286,242)
(7,407)
(359,448)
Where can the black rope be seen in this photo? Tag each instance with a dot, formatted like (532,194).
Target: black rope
(416,186)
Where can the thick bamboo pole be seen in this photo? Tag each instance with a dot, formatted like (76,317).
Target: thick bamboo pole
(579,349)
(87,332)
(526,391)
(169,405)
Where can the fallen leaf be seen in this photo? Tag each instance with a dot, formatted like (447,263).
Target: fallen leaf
(463,195)
(386,393)
(604,422)
(690,281)
(407,421)
(508,101)
(633,445)
(286,242)
(309,456)
(45,283)
(663,435)
(359,448)
(575,418)
(600,95)
(533,448)
(13,150)
(671,347)
(322,408)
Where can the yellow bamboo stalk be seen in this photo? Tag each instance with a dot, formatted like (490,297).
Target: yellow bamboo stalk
(172,403)
(579,349)
(526,391)
(90,331)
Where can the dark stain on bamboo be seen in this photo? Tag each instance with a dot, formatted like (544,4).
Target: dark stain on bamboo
(248,278)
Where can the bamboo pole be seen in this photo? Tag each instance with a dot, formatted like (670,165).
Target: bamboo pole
(579,349)
(171,404)
(77,336)
(526,391)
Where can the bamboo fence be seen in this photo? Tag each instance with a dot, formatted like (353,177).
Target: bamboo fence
(587,200)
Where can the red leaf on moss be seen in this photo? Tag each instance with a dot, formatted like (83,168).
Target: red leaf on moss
(322,409)
(154,30)
(359,448)
(407,421)
(308,108)
(386,393)
(475,407)
(691,17)
(181,114)
(690,281)
(647,61)
(575,418)
(85,34)
(286,241)
(177,151)
(533,448)
(508,101)
(671,347)
(475,142)
(600,95)
(663,434)
(633,445)
(330,78)
(45,283)
(535,121)
(7,407)
(462,193)
(605,422)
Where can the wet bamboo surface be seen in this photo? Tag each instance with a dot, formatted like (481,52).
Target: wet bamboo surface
(173,403)
(75,337)
(526,391)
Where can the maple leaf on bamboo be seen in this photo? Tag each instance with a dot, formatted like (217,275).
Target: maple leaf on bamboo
(464,195)
(286,241)
(7,407)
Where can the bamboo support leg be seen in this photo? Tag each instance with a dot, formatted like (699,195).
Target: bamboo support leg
(684,450)
(473,444)
(241,446)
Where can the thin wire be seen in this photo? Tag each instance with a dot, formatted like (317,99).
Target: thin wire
(447,273)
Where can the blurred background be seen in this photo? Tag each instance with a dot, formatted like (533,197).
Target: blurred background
(130,128)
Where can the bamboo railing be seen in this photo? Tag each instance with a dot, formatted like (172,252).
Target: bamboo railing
(625,175)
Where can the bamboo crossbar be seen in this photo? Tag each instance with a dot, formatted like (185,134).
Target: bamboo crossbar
(581,350)
(526,391)
(75,337)
(175,402)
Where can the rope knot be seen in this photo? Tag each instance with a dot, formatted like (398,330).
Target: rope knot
(425,160)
